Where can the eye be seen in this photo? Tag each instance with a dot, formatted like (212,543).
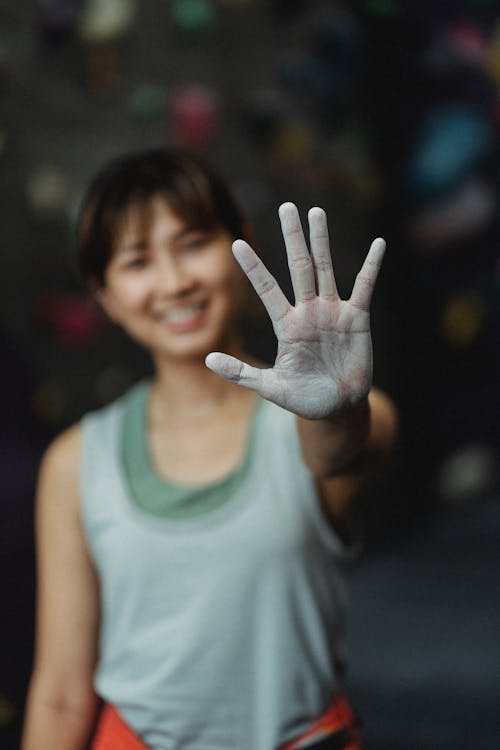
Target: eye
(195,241)
(135,264)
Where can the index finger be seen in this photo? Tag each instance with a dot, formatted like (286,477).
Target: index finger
(262,280)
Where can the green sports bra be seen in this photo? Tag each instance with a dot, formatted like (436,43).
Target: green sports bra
(156,494)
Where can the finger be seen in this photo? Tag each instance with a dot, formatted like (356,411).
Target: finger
(299,260)
(262,281)
(320,254)
(365,281)
(234,370)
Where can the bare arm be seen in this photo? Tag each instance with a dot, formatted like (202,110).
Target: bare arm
(61,702)
(344,451)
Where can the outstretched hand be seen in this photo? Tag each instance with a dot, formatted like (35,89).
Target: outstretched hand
(324,356)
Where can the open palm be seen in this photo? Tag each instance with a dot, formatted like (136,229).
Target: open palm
(324,355)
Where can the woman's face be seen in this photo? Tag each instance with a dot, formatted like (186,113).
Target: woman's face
(176,290)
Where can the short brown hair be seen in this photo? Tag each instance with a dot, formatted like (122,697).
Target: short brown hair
(192,189)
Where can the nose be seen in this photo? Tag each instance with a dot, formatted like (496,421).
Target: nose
(171,277)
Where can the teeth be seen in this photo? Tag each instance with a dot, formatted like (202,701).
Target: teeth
(180,314)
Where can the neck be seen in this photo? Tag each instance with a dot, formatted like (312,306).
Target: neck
(184,388)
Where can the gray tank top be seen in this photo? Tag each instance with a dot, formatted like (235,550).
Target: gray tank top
(222,630)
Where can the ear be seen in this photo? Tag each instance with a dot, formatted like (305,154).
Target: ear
(105,300)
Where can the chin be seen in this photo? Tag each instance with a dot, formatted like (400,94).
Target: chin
(189,350)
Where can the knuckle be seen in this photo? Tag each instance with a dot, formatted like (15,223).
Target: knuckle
(265,286)
(322,264)
(365,281)
(300,263)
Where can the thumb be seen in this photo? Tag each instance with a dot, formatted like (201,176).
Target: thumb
(234,370)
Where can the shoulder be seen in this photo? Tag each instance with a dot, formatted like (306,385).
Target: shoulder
(57,506)
(63,457)
(62,454)
(59,468)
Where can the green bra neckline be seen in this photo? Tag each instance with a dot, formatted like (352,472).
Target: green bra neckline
(158,495)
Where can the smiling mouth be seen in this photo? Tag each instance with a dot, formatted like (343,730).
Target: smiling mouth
(181,314)
(183,318)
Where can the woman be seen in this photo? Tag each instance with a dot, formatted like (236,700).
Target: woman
(191,534)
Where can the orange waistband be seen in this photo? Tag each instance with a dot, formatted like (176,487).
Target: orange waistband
(339,716)
(113,732)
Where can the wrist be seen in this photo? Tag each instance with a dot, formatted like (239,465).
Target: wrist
(333,442)
(352,417)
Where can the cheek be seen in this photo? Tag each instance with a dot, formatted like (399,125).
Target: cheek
(216,270)
(133,293)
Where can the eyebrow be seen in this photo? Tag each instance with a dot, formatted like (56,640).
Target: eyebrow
(129,247)
(188,230)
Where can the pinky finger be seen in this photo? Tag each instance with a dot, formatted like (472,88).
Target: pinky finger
(366,279)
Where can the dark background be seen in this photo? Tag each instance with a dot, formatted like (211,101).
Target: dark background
(387,114)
